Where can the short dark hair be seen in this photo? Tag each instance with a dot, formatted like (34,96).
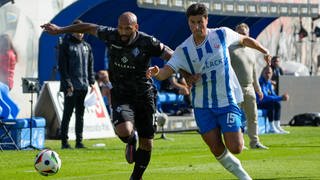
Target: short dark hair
(197,9)
(274,58)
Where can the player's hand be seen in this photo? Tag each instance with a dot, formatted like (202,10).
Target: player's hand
(260,95)
(267,59)
(184,91)
(70,91)
(51,28)
(285,97)
(192,79)
(152,72)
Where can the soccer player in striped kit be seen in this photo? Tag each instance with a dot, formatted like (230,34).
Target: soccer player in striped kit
(216,93)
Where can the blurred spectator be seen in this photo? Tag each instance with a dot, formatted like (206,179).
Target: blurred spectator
(178,85)
(277,72)
(105,86)
(271,101)
(243,60)
(76,71)
(8,60)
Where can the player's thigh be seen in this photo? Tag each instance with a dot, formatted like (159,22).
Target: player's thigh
(123,119)
(144,120)
(230,123)
(206,119)
(213,139)
(233,141)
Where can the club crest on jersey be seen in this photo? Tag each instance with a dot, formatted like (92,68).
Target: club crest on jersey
(124,59)
(135,52)
(217,46)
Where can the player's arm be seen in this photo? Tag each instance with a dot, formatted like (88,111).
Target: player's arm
(166,52)
(88,28)
(160,74)
(252,43)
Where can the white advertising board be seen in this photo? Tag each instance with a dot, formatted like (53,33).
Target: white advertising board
(97,123)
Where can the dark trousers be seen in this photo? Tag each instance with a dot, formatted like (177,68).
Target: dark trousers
(70,102)
(273,110)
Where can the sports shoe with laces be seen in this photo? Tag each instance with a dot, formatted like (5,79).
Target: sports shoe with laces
(259,146)
(131,148)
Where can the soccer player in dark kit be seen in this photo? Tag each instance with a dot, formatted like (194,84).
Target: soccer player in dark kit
(133,95)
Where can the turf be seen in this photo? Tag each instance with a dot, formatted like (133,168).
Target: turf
(185,157)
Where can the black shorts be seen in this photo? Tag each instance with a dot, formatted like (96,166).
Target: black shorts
(140,113)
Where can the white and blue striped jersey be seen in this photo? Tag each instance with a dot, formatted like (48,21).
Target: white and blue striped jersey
(218,86)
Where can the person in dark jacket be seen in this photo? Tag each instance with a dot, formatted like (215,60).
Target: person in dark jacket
(277,72)
(76,71)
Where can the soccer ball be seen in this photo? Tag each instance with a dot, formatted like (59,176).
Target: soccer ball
(47,162)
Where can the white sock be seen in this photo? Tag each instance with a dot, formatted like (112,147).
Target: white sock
(279,128)
(233,165)
(272,128)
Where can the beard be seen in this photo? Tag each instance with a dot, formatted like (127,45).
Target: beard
(125,39)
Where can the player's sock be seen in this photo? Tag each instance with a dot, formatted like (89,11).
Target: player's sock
(142,160)
(233,165)
(272,128)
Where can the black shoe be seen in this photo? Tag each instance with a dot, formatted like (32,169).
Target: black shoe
(66,146)
(79,146)
(131,178)
(131,149)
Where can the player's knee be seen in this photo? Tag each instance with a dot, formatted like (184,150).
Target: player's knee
(235,149)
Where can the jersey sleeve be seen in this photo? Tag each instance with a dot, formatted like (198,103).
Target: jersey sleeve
(176,60)
(104,32)
(232,37)
(154,46)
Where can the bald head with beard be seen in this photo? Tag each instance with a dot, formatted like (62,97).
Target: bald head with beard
(127,27)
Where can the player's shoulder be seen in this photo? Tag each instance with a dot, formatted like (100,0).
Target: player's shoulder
(146,37)
(222,29)
(187,42)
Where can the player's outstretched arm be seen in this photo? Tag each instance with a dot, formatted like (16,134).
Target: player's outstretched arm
(160,74)
(252,43)
(53,29)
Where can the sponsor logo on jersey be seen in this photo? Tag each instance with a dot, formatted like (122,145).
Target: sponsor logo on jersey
(124,66)
(124,59)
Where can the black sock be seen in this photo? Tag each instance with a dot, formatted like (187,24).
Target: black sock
(142,159)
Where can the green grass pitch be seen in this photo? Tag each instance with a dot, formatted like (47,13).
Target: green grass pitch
(186,157)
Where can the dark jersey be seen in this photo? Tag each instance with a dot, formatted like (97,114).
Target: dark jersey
(128,64)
